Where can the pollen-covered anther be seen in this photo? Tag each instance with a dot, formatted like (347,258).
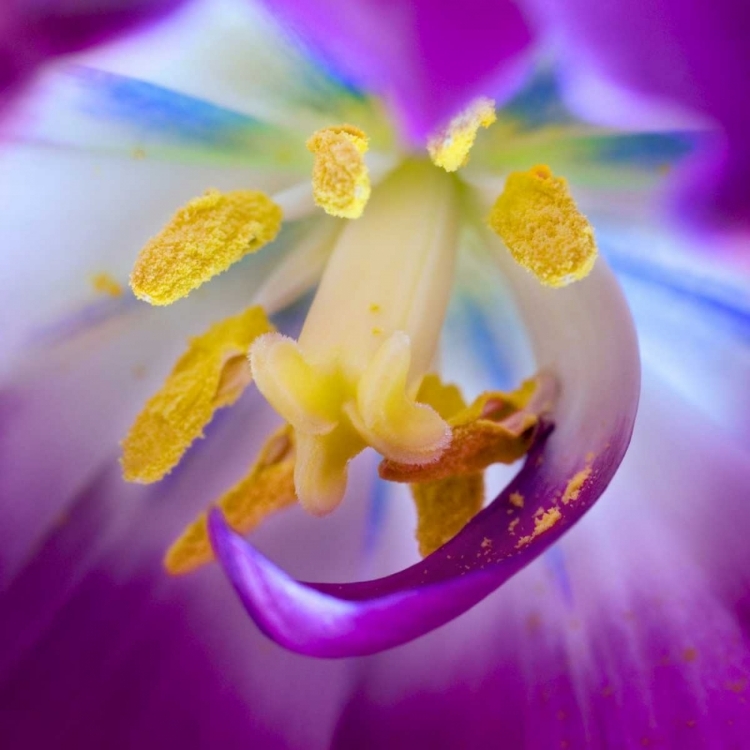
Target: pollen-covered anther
(539,222)
(444,507)
(340,179)
(496,428)
(211,374)
(450,147)
(267,488)
(203,239)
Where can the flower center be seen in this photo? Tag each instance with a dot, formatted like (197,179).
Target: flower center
(361,373)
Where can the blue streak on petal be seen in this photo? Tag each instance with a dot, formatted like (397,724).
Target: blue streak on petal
(729,302)
(645,149)
(554,559)
(538,104)
(158,111)
(376,515)
(482,342)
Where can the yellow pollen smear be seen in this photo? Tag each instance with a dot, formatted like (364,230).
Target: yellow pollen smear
(106,284)
(268,487)
(494,429)
(541,524)
(539,222)
(341,181)
(203,239)
(211,374)
(450,147)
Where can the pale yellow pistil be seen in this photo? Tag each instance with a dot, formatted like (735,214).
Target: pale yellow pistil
(352,378)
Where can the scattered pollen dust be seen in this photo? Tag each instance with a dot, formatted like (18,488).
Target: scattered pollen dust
(516,498)
(573,490)
(512,525)
(544,523)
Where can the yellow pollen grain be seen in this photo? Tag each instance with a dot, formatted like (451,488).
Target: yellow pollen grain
(267,488)
(340,178)
(212,373)
(105,283)
(203,239)
(574,486)
(544,523)
(444,507)
(539,222)
(516,498)
(450,147)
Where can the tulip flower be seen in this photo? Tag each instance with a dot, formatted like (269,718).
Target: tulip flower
(389,338)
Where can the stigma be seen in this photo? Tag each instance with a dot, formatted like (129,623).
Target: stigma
(371,334)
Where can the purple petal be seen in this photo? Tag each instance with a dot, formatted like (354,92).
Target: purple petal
(114,653)
(632,631)
(30,33)
(426,58)
(584,335)
(691,56)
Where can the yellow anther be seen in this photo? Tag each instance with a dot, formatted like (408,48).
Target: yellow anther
(540,224)
(203,239)
(450,147)
(268,487)
(211,374)
(492,430)
(341,182)
(444,507)
(105,283)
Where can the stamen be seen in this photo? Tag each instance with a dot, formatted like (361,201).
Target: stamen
(444,507)
(341,181)
(268,487)
(497,428)
(211,374)
(203,239)
(540,224)
(450,148)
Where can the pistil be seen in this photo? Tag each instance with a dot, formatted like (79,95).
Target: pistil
(370,337)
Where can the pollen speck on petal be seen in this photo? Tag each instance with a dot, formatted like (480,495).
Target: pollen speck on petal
(211,374)
(267,488)
(539,222)
(203,239)
(105,283)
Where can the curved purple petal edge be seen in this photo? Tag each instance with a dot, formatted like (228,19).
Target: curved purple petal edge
(30,33)
(426,58)
(583,334)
